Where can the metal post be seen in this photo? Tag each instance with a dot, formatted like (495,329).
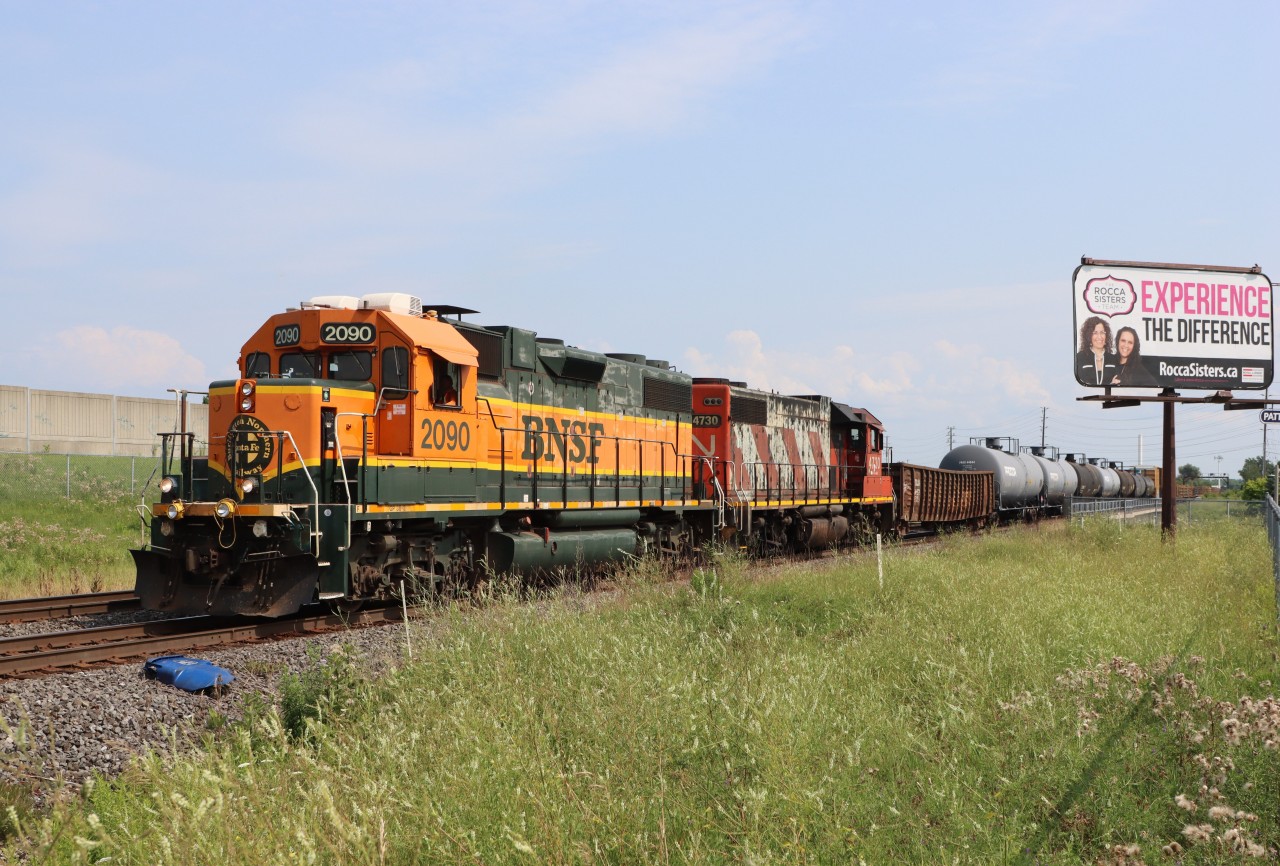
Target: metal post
(68,476)
(879,561)
(1169,481)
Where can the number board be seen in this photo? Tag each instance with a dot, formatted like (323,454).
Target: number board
(347,332)
(706,420)
(288,335)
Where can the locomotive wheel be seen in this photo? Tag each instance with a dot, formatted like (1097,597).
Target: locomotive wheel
(341,606)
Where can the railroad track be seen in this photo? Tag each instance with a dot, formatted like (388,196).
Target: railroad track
(58,606)
(33,655)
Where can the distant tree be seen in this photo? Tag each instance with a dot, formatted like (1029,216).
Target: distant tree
(1188,472)
(1255,488)
(1256,467)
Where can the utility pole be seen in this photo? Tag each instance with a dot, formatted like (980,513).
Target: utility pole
(951,438)
(1044,417)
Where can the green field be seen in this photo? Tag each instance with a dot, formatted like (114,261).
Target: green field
(1032,697)
(67,526)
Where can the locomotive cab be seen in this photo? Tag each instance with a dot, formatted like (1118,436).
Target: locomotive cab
(858,440)
(331,395)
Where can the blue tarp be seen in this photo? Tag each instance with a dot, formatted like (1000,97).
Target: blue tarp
(188,674)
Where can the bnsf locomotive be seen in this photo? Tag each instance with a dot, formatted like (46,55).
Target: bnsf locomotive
(371,449)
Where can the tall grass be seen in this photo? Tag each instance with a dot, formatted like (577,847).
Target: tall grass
(68,531)
(1039,697)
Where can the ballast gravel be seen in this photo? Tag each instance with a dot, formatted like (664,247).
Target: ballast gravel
(65,727)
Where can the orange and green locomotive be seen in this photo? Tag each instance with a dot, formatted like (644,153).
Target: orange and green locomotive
(371,447)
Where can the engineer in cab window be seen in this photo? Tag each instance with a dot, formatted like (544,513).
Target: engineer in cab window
(445,390)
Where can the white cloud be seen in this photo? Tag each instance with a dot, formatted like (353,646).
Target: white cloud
(837,372)
(124,360)
(979,374)
(941,376)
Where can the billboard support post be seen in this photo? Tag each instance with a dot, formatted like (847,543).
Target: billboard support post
(1169,478)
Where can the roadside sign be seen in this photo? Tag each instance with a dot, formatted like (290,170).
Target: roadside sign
(1270,416)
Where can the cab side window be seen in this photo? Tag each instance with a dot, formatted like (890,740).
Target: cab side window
(445,389)
(395,368)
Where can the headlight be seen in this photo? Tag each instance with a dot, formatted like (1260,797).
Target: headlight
(175,510)
(248,485)
(247,389)
(246,405)
(260,528)
(167,484)
(224,508)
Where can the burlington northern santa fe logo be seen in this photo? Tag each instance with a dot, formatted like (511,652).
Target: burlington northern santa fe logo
(252,443)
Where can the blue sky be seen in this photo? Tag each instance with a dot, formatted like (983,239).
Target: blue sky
(882,204)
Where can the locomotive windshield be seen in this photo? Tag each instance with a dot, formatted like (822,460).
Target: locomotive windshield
(300,365)
(345,366)
(257,366)
(354,366)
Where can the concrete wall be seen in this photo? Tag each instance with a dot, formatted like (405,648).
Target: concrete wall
(68,422)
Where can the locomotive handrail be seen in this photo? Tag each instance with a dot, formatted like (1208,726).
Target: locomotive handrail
(720,497)
(382,392)
(538,462)
(489,406)
(185,457)
(364,462)
(280,435)
(816,492)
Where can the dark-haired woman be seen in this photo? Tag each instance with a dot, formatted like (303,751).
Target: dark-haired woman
(1130,371)
(1095,362)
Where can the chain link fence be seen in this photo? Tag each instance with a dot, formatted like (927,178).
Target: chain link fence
(34,478)
(1272,512)
(1190,511)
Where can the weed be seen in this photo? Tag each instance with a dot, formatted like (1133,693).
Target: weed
(327,688)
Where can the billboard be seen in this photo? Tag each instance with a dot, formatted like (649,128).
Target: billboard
(1140,325)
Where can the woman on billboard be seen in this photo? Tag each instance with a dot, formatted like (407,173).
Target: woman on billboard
(1130,371)
(1095,362)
